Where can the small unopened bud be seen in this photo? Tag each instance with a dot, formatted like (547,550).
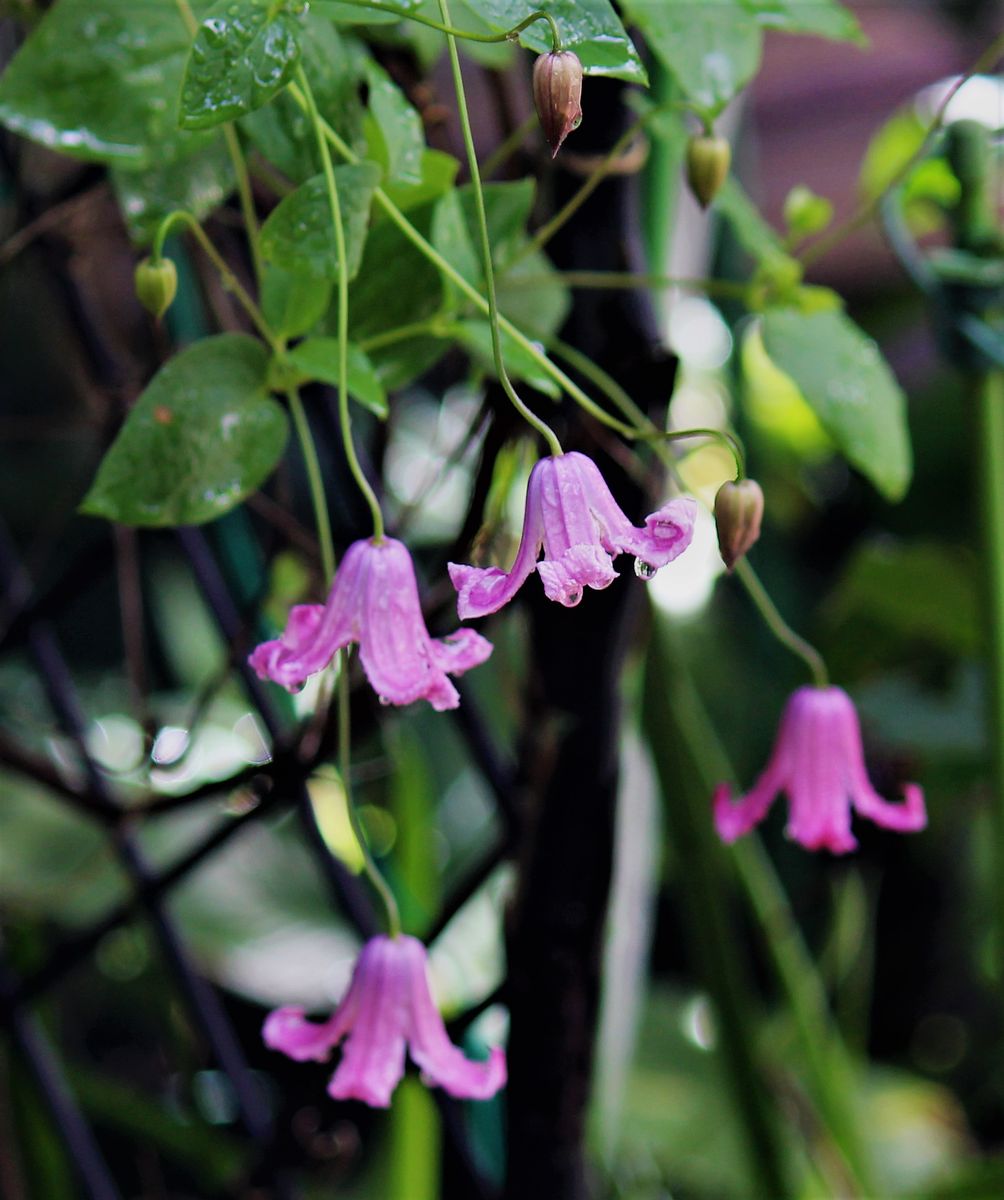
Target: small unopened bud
(738,513)
(708,160)
(557,92)
(156,285)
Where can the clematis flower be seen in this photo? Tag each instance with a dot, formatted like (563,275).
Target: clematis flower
(819,762)
(387,1008)
(571,513)
(373,601)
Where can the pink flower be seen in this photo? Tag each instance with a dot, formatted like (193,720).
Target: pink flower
(388,1007)
(819,762)
(373,601)
(571,513)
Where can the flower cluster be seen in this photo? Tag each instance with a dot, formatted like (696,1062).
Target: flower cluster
(572,517)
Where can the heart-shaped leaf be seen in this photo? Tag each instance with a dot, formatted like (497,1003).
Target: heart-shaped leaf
(202,436)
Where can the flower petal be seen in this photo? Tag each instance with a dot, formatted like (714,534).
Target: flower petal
(484,590)
(373,1059)
(820,814)
(667,533)
(445,1064)
(460,651)
(579,567)
(399,658)
(288,1031)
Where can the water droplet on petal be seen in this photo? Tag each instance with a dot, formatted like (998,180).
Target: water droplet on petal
(384,701)
(644,570)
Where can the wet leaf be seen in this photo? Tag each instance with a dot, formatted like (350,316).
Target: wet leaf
(398,140)
(846,381)
(99,80)
(197,182)
(299,234)
(354,14)
(589,27)
(202,436)
(281,130)
(243,53)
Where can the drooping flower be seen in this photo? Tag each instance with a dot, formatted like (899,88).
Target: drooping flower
(571,513)
(373,601)
(818,760)
(387,1008)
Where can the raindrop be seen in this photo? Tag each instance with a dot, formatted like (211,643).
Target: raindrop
(384,701)
(644,570)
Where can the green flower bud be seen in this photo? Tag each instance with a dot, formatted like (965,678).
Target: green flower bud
(557,91)
(708,161)
(738,513)
(156,285)
(805,213)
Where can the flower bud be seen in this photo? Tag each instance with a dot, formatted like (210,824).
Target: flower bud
(557,90)
(708,160)
(156,285)
(738,513)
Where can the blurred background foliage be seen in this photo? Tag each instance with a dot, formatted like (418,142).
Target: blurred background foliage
(900,933)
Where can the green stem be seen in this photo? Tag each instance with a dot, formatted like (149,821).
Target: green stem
(344,413)
(373,873)
(510,35)
(315,481)
(433,327)
(989,395)
(779,626)
(531,418)
(611,280)
(230,280)
(244,193)
(728,440)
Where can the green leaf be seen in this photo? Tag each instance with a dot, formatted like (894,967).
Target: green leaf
(711,49)
(890,149)
(317,358)
(299,234)
(293,302)
(846,381)
(437,173)
(589,27)
(197,182)
(476,338)
(398,140)
(825,18)
(281,130)
(532,295)
(202,436)
(99,80)
(452,237)
(243,53)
